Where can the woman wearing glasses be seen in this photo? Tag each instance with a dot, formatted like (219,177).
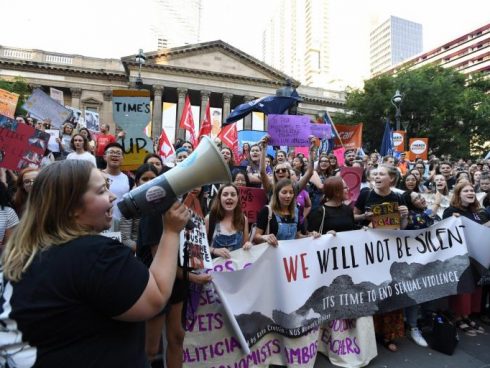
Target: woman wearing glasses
(282,171)
(25,180)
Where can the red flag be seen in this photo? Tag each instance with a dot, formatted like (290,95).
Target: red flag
(206,123)
(187,121)
(165,148)
(229,136)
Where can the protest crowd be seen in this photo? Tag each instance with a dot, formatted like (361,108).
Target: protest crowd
(81,299)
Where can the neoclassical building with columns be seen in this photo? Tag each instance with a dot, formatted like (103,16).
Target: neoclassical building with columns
(212,71)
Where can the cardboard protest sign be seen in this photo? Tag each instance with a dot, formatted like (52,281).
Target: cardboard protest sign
(76,116)
(131,111)
(57,95)
(91,121)
(351,136)
(252,201)
(352,177)
(8,103)
(53,146)
(399,137)
(294,130)
(386,215)
(418,148)
(43,107)
(356,273)
(195,242)
(21,145)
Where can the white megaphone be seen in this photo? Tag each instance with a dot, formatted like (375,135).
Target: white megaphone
(204,166)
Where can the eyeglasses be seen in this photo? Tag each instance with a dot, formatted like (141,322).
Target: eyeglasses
(114,153)
(281,170)
(28,181)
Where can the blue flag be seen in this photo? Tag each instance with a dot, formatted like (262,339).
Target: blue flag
(387,142)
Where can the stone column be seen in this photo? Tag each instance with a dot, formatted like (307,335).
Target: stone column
(226,105)
(204,102)
(76,93)
(105,115)
(181,92)
(247,120)
(156,118)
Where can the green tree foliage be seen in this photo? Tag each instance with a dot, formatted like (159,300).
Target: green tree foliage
(19,86)
(440,103)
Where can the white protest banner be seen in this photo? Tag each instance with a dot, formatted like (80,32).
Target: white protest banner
(57,95)
(294,130)
(42,106)
(353,274)
(210,339)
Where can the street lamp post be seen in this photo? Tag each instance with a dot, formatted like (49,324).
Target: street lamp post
(140,59)
(396,100)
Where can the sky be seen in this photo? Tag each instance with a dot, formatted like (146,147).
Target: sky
(112,29)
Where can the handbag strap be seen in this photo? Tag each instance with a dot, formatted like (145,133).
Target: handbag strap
(268,219)
(323,220)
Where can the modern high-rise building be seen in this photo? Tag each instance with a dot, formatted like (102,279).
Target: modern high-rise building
(296,41)
(392,42)
(172,23)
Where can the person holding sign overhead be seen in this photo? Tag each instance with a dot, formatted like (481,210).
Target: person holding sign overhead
(383,208)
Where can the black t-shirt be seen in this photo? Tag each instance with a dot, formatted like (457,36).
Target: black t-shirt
(149,233)
(479,217)
(263,218)
(339,219)
(369,197)
(66,300)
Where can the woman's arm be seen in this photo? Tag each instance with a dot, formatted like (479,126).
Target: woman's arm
(247,244)
(309,172)
(261,238)
(163,268)
(316,181)
(266,181)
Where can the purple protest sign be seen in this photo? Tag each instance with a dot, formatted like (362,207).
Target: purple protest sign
(294,130)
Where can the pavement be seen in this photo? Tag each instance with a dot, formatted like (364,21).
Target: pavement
(471,352)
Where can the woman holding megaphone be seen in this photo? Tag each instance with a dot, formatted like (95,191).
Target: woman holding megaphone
(79,299)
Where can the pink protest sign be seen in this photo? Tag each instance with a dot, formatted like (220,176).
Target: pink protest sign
(303,150)
(352,177)
(252,201)
(339,153)
(294,130)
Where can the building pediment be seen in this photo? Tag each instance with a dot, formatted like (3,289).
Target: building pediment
(216,57)
(91,101)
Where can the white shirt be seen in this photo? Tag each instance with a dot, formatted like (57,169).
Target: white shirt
(87,156)
(119,185)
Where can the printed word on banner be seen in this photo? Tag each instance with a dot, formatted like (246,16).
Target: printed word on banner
(418,148)
(399,137)
(131,112)
(211,342)
(42,106)
(350,135)
(294,130)
(8,103)
(350,275)
(252,201)
(21,145)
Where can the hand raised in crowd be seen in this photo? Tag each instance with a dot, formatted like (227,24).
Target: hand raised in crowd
(271,239)
(176,217)
(200,278)
(332,232)
(264,141)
